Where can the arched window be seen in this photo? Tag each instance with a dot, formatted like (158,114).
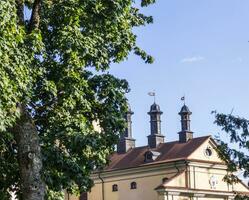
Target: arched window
(133,185)
(115,188)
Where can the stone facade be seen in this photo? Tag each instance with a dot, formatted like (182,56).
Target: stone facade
(187,169)
(199,176)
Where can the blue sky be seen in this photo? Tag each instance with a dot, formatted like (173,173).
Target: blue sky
(201,49)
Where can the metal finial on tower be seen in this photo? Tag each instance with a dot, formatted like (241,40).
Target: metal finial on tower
(153,94)
(183,99)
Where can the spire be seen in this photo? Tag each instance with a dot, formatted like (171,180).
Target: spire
(155,136)
(126,142)
(185,134)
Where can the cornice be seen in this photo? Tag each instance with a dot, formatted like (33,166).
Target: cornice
(184,191)
(206,164)
(157,169)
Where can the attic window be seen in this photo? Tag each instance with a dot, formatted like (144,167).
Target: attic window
(150,156)
(208,152)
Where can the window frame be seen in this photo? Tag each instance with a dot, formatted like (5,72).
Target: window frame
(114,188)
(133,185)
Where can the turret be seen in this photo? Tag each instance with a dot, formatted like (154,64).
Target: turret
(126,141)
(155,137)
(185,134)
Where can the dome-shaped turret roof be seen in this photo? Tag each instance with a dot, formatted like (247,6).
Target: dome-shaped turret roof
(154,108)
(185,110)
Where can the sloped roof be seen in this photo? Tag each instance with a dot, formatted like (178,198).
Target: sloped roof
(185,109)
(170,151)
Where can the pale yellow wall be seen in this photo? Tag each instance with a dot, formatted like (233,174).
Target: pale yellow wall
(198,177)
(203,175)
(240,187)
(200,155)
(191,177)
(179,181)
(96,192)
(145,189)
(146,183)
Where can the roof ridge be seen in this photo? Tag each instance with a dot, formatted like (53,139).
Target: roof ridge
(174,141)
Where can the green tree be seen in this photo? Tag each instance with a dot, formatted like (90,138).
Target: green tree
(54,83)
(237,156)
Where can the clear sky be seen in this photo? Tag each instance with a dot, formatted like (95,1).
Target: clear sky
(201,49)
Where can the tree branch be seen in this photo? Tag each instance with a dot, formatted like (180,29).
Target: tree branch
(35,16)
(20,11)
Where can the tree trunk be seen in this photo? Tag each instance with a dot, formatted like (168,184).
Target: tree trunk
(29,157)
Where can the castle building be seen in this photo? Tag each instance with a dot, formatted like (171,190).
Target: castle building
(186,169)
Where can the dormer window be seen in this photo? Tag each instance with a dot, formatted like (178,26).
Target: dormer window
(115,188)
(150,156)
(133,185)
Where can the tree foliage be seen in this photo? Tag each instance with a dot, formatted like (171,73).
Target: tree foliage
(56,64)
(237,156)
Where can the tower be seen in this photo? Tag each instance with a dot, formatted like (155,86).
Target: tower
(185,134)
(126,141)
(155,137)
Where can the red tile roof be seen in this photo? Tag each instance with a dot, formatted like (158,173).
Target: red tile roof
(170,151)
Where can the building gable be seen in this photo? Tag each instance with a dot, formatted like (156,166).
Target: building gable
(206,152)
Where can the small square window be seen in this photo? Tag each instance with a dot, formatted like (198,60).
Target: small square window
(115,188)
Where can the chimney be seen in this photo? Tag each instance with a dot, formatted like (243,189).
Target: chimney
(126,141)
(185,134)
(155,137)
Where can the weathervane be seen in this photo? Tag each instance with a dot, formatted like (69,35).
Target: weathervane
(153,94)
(183,99)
